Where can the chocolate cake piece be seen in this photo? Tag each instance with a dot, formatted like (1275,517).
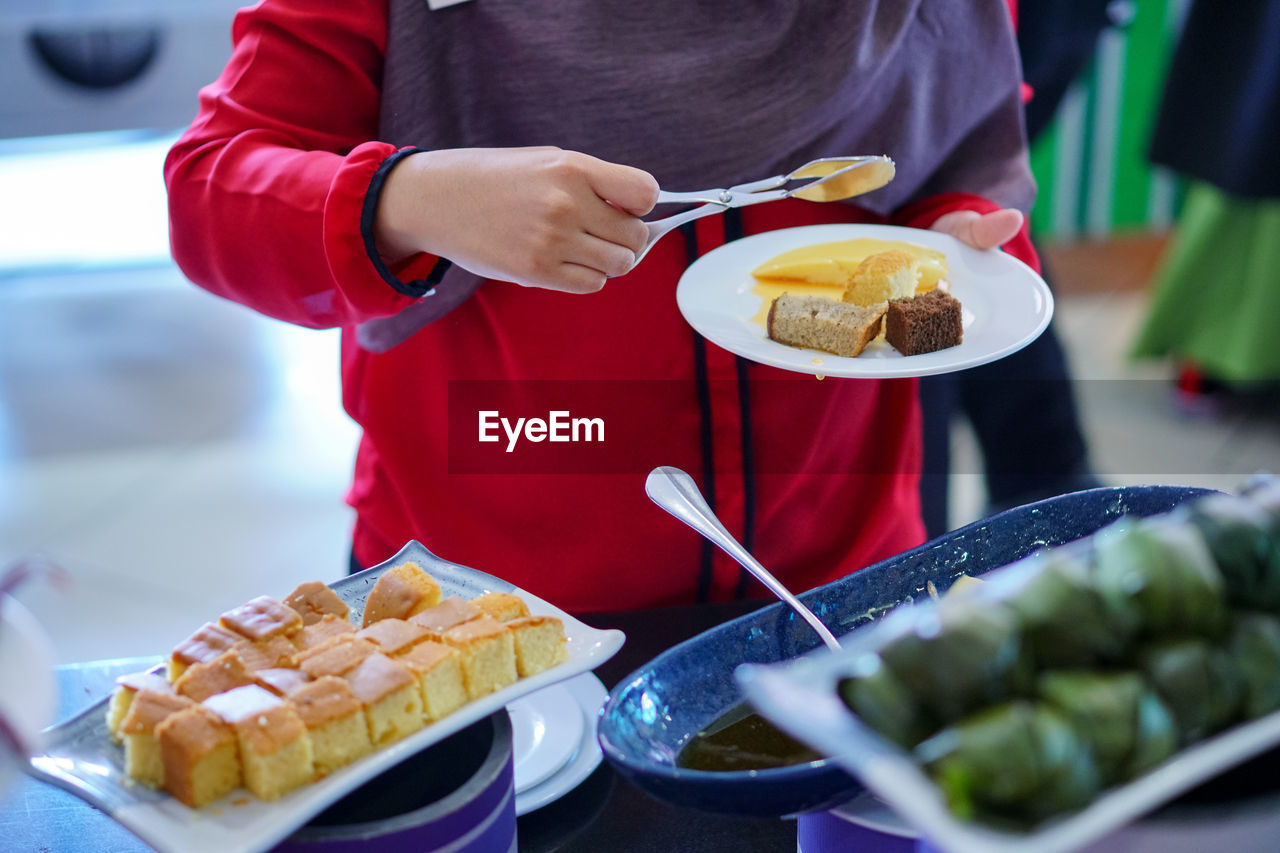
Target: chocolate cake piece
(924,323)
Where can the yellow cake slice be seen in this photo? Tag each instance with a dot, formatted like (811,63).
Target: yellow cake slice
(127,686)
(336,656)
(882,277)
(275,750)
(317,633)
(390,696)
(335,721)
(281,680)
(488,654)
(451,612)
(208,642)
(438,669)
(502,606)
(313,601)
(203,680)
(260,618)
(392,636)
(540,643)
(149,709)
(399,593)
(199,756)
(268,653)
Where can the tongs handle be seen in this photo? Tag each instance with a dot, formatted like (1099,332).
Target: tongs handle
(710,201)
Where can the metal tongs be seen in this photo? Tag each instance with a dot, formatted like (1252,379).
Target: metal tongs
(825,179)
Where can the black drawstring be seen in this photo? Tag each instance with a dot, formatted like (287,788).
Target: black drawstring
(704,410)
(734,230)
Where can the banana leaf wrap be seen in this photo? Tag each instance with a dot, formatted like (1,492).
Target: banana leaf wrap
(1158,579)
(882,702)
(1063,617)
(964,654)
(1263,491)
(1254,649)
(1197,681)
(1020,761)
(1126,726)
(1237,533)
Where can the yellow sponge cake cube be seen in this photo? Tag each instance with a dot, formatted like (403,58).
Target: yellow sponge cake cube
(488,654)
(319,632)
(393,636)
(208,642)
(540,643)
(445,615)
(502,606)
(150,708)
(399,593)
(390,695)
(438,669)
(335,657)
(127,687)
(275,750)
(203,680)
(335,721)
(262,617)
(200,759)
(313,601)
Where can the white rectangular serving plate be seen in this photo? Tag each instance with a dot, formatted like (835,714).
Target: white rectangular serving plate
(801,698)
(80,757)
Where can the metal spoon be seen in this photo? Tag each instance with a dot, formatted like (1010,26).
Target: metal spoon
(676,492)
(825,179)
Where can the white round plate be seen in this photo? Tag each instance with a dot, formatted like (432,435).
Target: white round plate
(589,696)
(1005,304)
(546,728)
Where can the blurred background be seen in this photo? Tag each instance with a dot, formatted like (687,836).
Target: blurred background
(177,454)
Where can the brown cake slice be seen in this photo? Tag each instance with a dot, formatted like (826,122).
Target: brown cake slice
(816,322)
(925,323)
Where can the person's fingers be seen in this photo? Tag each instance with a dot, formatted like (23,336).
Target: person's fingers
(996,228)
(982,231)
(630,189)
(615,226)
(576,278)
(605,256)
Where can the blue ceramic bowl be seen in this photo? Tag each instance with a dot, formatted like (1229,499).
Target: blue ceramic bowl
(654,712)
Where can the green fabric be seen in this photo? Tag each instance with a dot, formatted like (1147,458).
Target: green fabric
(1216,297)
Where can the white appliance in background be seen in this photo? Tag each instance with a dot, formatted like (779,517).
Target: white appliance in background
(76,66)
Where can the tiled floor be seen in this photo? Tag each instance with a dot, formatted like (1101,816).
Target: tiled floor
(179,455)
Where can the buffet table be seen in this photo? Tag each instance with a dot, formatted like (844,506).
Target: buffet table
(605,812)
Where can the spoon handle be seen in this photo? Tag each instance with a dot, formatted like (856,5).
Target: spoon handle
(677,493)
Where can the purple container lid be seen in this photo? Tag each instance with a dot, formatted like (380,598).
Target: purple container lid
(457,794)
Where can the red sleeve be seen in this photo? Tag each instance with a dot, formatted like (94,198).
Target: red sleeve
(273,187)
(923,213)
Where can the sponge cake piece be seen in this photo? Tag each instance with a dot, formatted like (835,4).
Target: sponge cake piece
(881,277)
(502,606)
(208,642)
(540,643)
(127,687)
(260,618)
(438,669)
(313,601)
(203,680)
(272,652)
(335,721)
(199,756)
(281,680)
(399,593)
(445,615)
(392,636)
(275,750)
(328,627)
(815,322)
(390,695)
(335,657)
(488,654)
(150,708)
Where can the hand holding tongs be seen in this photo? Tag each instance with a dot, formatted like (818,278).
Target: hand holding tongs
(828,179)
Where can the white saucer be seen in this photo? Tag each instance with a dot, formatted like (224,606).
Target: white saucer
(546,728)
(589,696)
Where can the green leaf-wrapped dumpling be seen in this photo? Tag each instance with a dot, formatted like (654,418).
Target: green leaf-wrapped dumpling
(873,693)
(1062,615)
(1254,648)
(1158,578)
(1197,681)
